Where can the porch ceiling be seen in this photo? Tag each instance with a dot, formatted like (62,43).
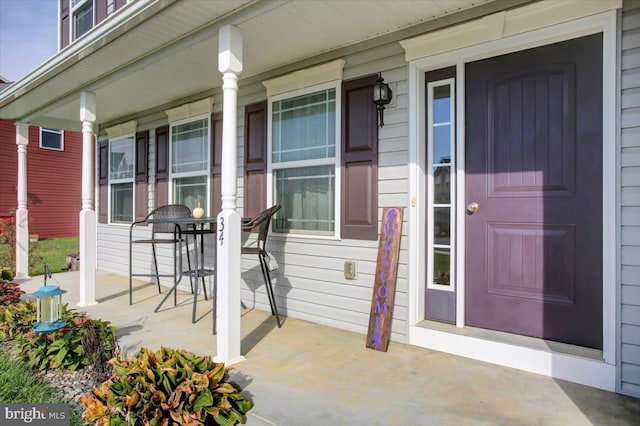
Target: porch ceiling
(151,54)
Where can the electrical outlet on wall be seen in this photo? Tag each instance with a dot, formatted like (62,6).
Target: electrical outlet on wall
(350,269)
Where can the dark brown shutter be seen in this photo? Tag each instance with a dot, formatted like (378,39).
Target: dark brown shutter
(142,161)
(64,24)
(162,166)
(255,159)
(216,164)
(359,202)
(100,11)
(103,182)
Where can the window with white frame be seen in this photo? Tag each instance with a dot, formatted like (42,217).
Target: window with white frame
(122,160)
(189,154)
(51,139)
(303,162)
(441,185)
(81,17)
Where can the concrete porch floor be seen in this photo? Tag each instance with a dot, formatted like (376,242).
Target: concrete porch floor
(309,374)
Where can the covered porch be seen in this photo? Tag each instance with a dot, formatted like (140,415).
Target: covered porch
(307,374)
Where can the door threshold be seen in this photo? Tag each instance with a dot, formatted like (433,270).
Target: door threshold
(515,339)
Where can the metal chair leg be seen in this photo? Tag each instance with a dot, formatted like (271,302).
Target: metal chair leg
(155,264)
(267,281)
(130,267)
(186,241)
(204,286)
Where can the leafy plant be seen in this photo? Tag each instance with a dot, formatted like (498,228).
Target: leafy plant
(17,319)
(8,245)
(64,348)
(164,388)
(10,293)
(6,274)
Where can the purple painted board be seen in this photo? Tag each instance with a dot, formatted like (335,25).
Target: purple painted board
(534,166)
(384,286)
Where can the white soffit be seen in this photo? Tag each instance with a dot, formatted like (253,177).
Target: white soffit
(503,24)
(157,59)
(301,29)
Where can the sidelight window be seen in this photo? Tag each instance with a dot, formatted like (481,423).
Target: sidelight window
(441,184)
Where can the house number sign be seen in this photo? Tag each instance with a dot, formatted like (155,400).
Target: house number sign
(384,286)
(221,231)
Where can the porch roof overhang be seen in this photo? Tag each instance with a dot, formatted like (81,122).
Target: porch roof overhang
(154,55)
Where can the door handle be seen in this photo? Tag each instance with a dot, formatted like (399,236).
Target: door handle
(472,207)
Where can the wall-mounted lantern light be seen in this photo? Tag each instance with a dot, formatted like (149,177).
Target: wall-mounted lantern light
(381,96)
(49,307)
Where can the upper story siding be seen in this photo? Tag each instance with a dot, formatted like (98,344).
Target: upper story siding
(630,200)
(101,9)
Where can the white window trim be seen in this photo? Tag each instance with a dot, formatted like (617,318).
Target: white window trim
(545,29)
(207,173)
(58,131)
(302,79)
(131,180)
(337,85)
(72,12)
(430,188)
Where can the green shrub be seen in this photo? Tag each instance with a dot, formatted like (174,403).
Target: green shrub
(9,293)
(64,348)
(17,319)
(8,246)
(167,387)
(6,274)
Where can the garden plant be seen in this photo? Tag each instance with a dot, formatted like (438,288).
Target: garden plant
(64,348)
(167,387)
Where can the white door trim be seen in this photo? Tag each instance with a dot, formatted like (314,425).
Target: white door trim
(597,373)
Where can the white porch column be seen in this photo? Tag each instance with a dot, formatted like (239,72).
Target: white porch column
(22,214)
(229,232)
(87,214)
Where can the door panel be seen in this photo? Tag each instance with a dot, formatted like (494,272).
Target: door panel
(534,166)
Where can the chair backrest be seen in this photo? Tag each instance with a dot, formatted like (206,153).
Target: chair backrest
(169,211)
(263,220)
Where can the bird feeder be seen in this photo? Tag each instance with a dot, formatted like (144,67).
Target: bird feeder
(49,312)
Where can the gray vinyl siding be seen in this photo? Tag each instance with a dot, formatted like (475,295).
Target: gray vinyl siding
(630,201)
(309,283)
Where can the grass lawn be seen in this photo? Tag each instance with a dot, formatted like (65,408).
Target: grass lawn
(52,251)
(18,384)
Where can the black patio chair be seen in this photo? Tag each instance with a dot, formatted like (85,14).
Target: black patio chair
(262,222)
(161,233)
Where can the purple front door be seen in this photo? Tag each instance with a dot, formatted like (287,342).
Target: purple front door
(534,168)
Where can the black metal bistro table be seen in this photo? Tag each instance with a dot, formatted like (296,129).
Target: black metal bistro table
(195,227)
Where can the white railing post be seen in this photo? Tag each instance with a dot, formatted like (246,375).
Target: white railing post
(87,214)
(228,231)
(22,213)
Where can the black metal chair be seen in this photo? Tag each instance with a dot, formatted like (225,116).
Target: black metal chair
(262,222)
(161,233)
